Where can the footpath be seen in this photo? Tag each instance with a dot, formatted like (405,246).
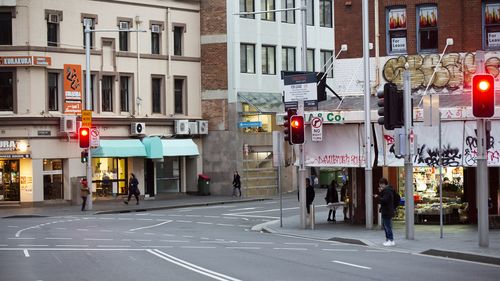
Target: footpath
(459,241)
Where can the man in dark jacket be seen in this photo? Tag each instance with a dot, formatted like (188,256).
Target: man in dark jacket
(387,209)
(310,194)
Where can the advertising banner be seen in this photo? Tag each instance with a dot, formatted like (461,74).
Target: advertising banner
(72,88)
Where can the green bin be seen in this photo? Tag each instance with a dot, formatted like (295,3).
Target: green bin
(203,184)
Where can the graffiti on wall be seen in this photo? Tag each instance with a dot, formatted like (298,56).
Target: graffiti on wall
(455,70)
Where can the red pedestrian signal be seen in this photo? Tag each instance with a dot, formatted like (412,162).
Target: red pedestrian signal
(297,129)
(286,125)
(84,137)
(483,95)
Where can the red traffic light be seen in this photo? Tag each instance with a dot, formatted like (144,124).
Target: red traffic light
(84,137)
(483,95)
(297,129)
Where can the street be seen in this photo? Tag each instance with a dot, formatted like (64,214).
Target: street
(203,243)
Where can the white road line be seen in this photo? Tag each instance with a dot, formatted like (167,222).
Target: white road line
(340,250)
(144,219)
(21,238)
(305,244)
(105,230)
(183,221)
(192,267)
(82,229)
(175,241)
(149,233)
(218,242)
(72,245)
(243,209)
(353,265)
(141,240)
(18,234)
(14,226)
(244,248)
(173,215)
(31,245)
(251,242)
(58,238)
(378,251)
(193,216)
(150,226)
(97,239)
(61,228)
(225,224)
(26,254)
(202,222)
(292,249)
(106,218)
(213,217)
(187,236)
(198,247)
(113,246)
(158,246)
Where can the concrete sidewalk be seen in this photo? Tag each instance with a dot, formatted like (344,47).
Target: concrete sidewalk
(459,241)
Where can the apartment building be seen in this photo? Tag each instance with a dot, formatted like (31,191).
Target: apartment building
(145,97)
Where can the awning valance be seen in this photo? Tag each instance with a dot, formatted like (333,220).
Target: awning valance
(179,147)
(154,147)
(119,148)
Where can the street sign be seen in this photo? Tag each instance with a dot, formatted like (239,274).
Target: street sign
(87,118)
(300,87)
(317,129)
(94,137)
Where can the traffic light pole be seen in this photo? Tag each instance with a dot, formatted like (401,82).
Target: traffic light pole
(88,106)
(409,204)
(482,185)
(302,170)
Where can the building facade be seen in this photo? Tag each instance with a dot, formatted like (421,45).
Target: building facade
(145,97)
(242,60)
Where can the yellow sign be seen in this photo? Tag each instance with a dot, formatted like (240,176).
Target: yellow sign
(87,118)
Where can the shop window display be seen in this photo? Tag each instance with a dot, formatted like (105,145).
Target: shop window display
(110,176)
(427,198)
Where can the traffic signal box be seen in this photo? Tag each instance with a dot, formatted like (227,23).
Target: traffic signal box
(84,156)
(391,107)
(286,125)
(483,95)
(84,137)
(297,129)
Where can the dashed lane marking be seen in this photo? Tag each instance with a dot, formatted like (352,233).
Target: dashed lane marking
(150,226)
(26,253)
(351,264)
(58,238)
(291,249)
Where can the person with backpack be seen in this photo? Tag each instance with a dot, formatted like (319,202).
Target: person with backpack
(386,199)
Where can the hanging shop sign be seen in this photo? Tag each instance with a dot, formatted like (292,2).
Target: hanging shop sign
(15,61)
(14,149)
(72,88)
(327,117)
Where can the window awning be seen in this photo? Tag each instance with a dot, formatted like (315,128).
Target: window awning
(179,147)
(263,102)
(119,148)
(154,147)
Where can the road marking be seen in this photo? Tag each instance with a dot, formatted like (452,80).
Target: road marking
(175,241)
(192,267)
(305,244)
(105,230)
(340,250)
(213,217)
(144,219)
(218,242)
(291,249)
(61,228)
(26,254)
(150,226)
(183,221)
(198,247)
(202,222)
(243,209)
(149,233)
(265,243)
(113,246)
(193,216)
(225,224)
(18,234)
(31,245)
(21,238)
(14,226)
(72,245)
(82,229)
(97,239)
(58,238)
(378,251)
(353,265)
(158,246)
(244,248)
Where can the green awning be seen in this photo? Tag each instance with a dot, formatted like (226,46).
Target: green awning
(119,148)
(154,147)
(179,147)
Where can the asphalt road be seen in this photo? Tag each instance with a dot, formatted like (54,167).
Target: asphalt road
(202,243)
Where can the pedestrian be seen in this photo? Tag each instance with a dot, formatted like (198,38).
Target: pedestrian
(84,192)
(386,200)
(236,184)
(344,198)
(133,189)
(310,194)
(332,196)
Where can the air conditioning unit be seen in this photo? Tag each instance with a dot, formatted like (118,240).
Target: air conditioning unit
(53,18)
(193,128)
(181,127)
(138,128)
(123,25)
(203,127)
(67,124)
(155,28)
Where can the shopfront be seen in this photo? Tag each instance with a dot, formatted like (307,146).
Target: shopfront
(53,178)
(11,151)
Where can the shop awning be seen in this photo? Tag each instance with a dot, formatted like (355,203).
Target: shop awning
(263,102)
(154,147)
(119,148)
(179,147)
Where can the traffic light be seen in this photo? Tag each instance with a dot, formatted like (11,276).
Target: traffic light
(286,125)
(297,129)
(84,137)
(483,95)
(391,107)
(84,156)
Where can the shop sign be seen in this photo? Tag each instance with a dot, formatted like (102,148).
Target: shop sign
(72,106)
(72,88)
(326,116)
(254,124)
(15,61)
(13,146)
(86,118)
(398,44)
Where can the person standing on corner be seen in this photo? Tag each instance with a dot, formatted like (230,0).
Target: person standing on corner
(386,200)
(133,189)
(310,194)
(344,198)
(84,192)
(236,184)
(332,196)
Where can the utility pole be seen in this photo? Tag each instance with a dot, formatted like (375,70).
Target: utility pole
(409,139)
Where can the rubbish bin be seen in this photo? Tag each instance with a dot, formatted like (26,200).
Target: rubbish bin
(203,184)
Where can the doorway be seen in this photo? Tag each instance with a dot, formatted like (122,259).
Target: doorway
(9,180)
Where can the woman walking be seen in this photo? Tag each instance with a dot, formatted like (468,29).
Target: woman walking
(84,192)
(133,189)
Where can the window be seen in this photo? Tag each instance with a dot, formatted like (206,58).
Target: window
(249,114)
(155,39)
(53,91)
(491,26)
(5,28)
(52,30)
(124,93)
(267,5)
(288,59)
(53,187)
(268,60)
(92,91)
(396,30)
(156,94)
(325,13)
(123,36)
(310,12)
(178,37)
(92,34)
(288,16)
(310,60)
(326,62)
(107,93)
(427,28)
(247,6)
(247,58)
(179,95)
(6,90)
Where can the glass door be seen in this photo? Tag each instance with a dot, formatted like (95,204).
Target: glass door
(9,180)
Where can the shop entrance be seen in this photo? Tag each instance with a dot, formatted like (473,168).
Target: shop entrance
(110,176)
(168,175)
(9,180)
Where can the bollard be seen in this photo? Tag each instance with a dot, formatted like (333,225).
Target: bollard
(379,217)
(312,217)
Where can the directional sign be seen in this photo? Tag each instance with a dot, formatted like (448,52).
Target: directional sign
(87,118)
(94,137)
(317,129)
